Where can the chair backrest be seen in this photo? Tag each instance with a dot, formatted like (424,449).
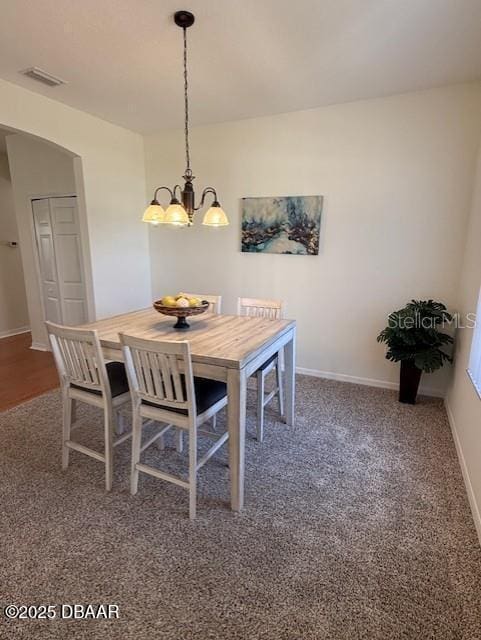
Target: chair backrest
(160,372)
(215,301)
(78,357)
(260,308)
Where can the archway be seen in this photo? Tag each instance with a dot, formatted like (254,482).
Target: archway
(110,172)
(39,169)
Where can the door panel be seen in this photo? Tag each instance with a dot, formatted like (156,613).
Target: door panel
(52,310)
(69,260)
(60,255)
(74,312)
(46,256)
(68,251)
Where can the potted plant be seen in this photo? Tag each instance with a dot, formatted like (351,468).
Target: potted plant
(414,339)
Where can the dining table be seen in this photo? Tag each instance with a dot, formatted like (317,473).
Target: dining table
(229,348)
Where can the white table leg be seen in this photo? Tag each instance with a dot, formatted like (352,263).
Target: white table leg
(236,421)
(290,364)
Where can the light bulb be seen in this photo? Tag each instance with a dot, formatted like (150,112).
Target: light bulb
(176,215)
(154,214)
(215,216)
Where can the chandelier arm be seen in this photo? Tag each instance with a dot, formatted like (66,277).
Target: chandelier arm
(166,188)
(177,186)
(204,193)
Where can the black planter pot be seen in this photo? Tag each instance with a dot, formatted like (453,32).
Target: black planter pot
(409,382)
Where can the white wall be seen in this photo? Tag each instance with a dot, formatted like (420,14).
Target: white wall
(396,174)
(37,169)
(13,301)
(463,402)
(112,164)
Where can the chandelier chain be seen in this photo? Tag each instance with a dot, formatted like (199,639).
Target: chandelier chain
(186,104)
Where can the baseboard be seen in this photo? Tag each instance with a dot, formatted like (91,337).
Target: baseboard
(14,332)
(39,346)
(369,382)
(464,469)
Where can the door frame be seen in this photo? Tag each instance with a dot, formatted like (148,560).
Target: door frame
(85,256)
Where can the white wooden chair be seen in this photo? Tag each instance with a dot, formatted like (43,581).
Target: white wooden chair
(215,302)
(164,389)
(84,376)
(273,310)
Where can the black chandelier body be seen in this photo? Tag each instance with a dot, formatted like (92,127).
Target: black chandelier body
(181,211)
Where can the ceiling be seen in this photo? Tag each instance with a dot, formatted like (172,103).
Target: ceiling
(122,58)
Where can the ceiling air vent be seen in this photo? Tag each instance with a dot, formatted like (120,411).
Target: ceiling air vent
(42,76)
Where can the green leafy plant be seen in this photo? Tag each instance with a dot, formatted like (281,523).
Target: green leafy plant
(413,334)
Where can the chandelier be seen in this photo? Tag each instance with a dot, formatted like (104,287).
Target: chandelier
(181,212)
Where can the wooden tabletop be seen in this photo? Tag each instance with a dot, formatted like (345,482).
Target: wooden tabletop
(229,341)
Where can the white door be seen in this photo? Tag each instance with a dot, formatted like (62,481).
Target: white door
(62,269)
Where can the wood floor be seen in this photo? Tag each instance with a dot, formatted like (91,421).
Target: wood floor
(24,373)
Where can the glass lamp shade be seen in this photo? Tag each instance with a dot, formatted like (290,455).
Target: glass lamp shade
(154,214)
(176,214)
(215,217)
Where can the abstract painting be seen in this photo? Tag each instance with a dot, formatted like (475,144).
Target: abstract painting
(288,224)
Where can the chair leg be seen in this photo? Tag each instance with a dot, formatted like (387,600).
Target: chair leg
(161,443)
(260,406)
(192,473)
(179,440)
(67,407)
(74,411)
(109,447)
(136,440)
(280,386)
(120,422)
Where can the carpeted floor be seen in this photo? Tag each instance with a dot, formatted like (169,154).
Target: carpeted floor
(356,526)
